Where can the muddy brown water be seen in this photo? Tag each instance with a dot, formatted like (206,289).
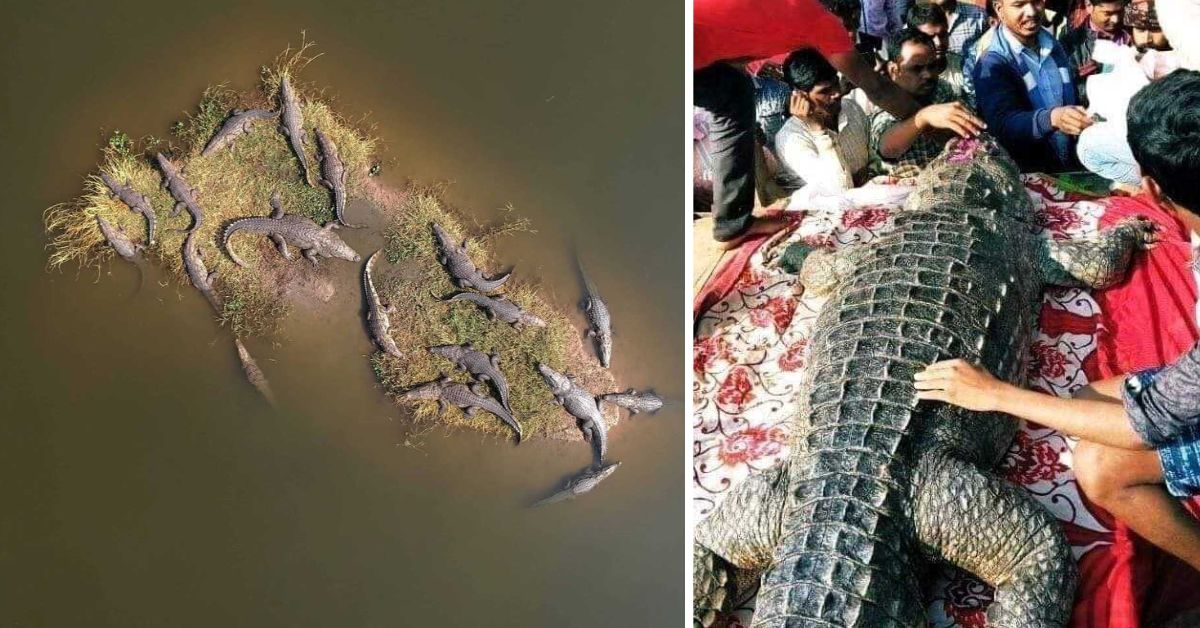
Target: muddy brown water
(144,483)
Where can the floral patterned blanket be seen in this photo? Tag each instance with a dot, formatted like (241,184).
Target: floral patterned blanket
(749,356)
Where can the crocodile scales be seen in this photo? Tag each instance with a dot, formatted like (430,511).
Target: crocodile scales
(877,487)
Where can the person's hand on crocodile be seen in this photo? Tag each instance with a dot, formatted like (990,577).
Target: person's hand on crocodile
(959,383)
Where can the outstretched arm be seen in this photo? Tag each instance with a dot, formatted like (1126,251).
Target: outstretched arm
(882,91)
(960,383)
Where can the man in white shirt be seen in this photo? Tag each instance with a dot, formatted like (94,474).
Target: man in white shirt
(825,141)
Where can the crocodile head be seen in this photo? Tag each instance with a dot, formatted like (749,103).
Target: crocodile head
(450,352)
(444,240)
(333,246)
(531,320)
(557,382)
(428,390)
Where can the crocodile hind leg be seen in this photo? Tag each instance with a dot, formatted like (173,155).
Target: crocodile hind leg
(712,586)
(996,531)
(740,534)
(281,244)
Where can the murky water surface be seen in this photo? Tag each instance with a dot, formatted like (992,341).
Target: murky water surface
(144,483)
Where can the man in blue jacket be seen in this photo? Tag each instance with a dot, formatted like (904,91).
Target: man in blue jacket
(1026,92)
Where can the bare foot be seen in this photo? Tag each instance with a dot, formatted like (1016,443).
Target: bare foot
(760,226)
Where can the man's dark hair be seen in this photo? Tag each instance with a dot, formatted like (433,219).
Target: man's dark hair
(847,10)
(921,14)
(1164,133)
(804,68)
(908,35)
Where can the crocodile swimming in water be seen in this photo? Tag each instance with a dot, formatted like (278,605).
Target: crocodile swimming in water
(634,401)
(292,118)
(482,366)
(184,194)
(378,322)
(234,127)
(463,272)
(116,238)
(585,481)
(333,174)
(253,373)
(599,321)
(283,229)
(198,273)
(878,486)
(136,201)
(580,404)
(469,398)
(500,308)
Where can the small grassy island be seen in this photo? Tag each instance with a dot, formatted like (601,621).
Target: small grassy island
(239,180)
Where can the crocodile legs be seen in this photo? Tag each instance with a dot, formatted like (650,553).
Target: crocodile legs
(1097,260)
(281,244)
(712,586)
(993,529)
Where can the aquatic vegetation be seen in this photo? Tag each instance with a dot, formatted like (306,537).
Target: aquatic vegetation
(238,181)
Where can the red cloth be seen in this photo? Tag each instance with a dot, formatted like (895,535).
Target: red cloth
(725,30)
(726,276)
(1148,320)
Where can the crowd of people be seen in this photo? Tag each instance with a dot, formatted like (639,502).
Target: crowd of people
(832,94)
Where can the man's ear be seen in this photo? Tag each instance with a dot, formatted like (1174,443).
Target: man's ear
(1150,188)
(892,69)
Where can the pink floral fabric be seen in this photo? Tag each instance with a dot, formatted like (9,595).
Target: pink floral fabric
(749,359)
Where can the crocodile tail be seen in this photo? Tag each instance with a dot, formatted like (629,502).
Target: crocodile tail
(844,558)
(368,283)
(489,285)
(227,234)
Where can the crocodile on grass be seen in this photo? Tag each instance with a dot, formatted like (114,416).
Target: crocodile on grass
(468,398)
(184,194)
(580,404)
(333,174)
(234,127)
(599,321)
(878,486)
(482,366)
(585,481)
(378,322)
(634,401)
(197,271)
(282,228)
(116,238)
(463,272)
(136,201)
(500,308)
(292,124)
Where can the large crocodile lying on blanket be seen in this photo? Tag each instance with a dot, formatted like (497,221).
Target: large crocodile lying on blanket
(877,486)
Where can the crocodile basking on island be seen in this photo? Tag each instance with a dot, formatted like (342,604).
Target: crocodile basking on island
(234,127)
(136,201)
(634,401)
(312,239)
(198,273)
(463,272)
(468,398)
(184,194)
(116,238)
(292,118)
(580,484)
(580,404)
(482,366)
(378,322)
(333,174)
(879,487)
(500,308)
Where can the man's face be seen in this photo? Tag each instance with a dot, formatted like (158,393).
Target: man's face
(940,35)
(827,103)
(1022,17)
(915,70)
(1106,16)
(1145,38)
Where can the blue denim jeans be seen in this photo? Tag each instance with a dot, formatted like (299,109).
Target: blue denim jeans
(1104,150)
